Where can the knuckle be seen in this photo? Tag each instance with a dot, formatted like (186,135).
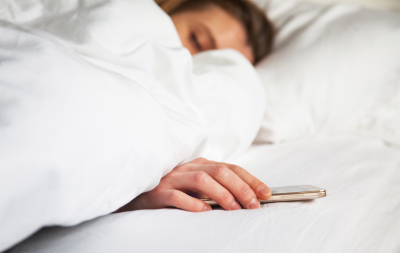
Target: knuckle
(227,197)
(254,183)
(174,198)
(200,160)
(200,177)
(158,190)
(220,171)
(245,190)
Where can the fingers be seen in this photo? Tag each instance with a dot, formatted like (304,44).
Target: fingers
(200,181)
(227,184)
(183,201)
(262,190)
(259,188)
(233,183)
(166,198)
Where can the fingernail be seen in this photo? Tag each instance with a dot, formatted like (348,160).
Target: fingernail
(235,206)
(264,190)
(254,204)
(207,208)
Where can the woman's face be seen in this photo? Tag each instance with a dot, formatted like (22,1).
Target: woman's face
(211,28)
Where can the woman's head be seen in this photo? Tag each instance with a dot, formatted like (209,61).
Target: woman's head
(216,24)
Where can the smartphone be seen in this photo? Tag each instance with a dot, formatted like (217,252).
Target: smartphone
(286,193)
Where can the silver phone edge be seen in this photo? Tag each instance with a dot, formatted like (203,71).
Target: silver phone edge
(284,197)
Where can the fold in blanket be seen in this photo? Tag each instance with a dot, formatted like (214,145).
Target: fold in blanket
(98,101)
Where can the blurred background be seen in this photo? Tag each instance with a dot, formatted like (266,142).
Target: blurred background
(393,5)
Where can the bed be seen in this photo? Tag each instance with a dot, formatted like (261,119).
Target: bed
(360,213)
(329,121)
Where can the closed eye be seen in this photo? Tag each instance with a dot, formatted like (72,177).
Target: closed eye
(196,42)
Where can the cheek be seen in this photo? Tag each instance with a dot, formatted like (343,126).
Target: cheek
(184,33)
(187,43)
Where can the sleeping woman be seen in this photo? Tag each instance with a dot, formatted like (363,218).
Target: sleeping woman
(207,25)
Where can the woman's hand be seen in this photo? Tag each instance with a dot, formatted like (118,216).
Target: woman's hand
(226,184)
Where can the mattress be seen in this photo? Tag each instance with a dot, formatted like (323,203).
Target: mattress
(361,212)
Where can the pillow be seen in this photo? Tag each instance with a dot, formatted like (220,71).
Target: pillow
(333,68)
(392,5)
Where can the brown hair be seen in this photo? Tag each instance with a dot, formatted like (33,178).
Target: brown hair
(259,30)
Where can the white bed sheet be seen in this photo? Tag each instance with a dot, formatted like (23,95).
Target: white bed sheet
(361,212)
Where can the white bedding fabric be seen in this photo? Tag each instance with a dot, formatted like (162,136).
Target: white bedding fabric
(389,5)
(334,69)
(138,40)
(86,65)
(98,101)
(361,212)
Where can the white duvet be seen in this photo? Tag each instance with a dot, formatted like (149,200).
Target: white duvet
(98,101)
